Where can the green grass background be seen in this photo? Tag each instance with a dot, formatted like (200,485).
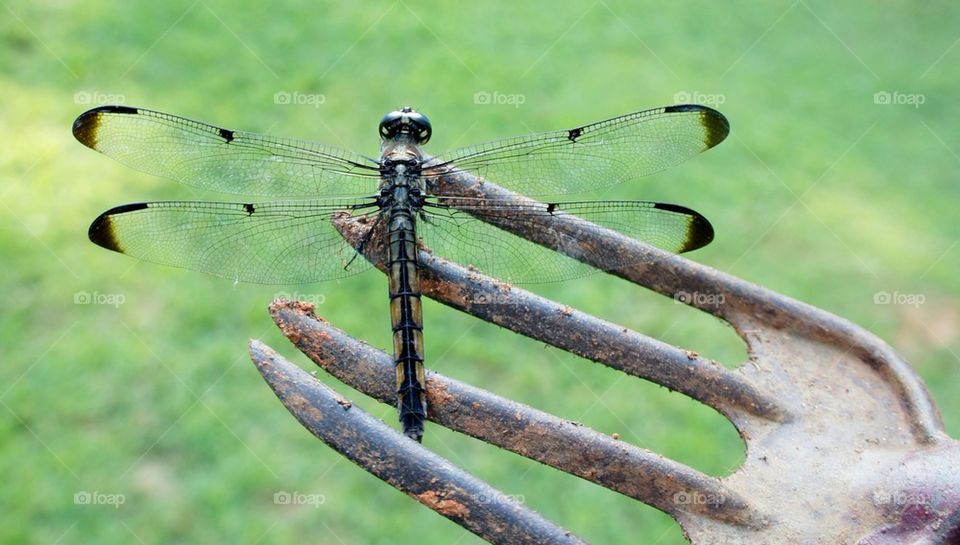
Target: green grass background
(819,193)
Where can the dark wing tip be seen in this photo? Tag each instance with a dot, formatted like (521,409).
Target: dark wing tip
(684,108)
(87,124)
(102,232)
(699,230)
(716,125)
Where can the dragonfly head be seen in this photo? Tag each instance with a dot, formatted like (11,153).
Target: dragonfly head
(408,122)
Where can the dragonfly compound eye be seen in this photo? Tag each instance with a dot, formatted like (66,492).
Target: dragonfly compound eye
(406,122)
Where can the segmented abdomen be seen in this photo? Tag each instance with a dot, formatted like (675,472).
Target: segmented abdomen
(407,320)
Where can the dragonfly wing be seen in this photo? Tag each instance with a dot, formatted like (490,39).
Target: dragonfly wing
(591,156)
(455,234)
(224,160)
(268,243)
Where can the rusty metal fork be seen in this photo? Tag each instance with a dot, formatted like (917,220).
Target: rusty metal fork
(844,444)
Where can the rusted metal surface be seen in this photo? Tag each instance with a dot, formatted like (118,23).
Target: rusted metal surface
(563,327)
(565,445)
(844,444)
(403,463)
(758,314)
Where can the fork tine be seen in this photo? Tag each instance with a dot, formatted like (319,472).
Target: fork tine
(757,314)
(570,447)
(402,463)
(707,381)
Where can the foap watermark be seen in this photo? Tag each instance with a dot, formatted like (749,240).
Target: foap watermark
(897,98)
(85,97)
(693,497)
(497,498)
(99,498)
(296,98)
(96,298)
(315,298)
(699,299)
(900,498)
(298,498)
(496,98)
(698,97)
(897,298)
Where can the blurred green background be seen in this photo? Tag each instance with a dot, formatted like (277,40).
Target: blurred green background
(823,192)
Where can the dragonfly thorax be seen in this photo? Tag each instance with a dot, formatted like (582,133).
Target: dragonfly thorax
(400,196)
(401,164)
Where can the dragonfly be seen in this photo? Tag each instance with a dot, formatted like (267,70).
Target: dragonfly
(289,238)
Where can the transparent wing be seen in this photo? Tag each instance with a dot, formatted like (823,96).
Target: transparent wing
(592,156)
(223,160)
(454,234)
(269,243)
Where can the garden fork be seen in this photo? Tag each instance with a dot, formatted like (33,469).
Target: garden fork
(843,442)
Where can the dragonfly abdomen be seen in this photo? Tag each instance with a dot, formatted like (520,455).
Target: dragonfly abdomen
(407,320)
